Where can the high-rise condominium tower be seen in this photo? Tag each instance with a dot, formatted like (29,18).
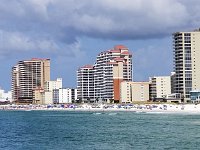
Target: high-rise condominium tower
(28,75)
(186,62)
(111,68)
(85,83)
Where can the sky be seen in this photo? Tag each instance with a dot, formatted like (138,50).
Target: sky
(72,33)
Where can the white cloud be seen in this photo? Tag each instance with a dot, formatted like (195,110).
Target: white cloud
(55,28)
(12,43)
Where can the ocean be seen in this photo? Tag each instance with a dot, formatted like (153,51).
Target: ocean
(72,130)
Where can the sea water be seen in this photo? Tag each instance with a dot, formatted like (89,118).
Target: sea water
(59,130)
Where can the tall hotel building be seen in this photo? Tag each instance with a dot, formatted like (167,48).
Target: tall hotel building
(27,76)
(111,68)
(85,83)
(186,62)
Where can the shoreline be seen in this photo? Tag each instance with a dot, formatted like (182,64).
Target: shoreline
(145,108)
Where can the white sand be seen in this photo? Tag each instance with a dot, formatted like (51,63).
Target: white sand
(148,108)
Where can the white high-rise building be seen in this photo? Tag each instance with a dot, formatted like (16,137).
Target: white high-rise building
(102,81)
(111,68)
(85,83)
(187,62)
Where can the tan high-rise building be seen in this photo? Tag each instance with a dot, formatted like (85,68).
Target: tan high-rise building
(27,76)
(186,62)
(15,82)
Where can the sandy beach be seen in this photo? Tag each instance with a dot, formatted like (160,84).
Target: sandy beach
(149,108)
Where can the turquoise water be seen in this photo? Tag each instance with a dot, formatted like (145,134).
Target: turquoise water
(33,130)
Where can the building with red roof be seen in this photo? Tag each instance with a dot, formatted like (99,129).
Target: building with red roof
(110,69)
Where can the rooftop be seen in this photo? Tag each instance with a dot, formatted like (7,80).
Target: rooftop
(119,47)
(88,66)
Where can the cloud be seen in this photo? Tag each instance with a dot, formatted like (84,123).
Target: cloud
(54,25)
(126,19)
(57,28)
(12,43)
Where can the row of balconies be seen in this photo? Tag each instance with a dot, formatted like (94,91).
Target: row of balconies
(85,77)
(177,48)
(178,54)
(179,51)
(85,83)
(86,91)
(178,62)
(179,68)
(177,57)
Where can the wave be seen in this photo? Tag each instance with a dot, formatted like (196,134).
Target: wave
(112,113)
(97,113)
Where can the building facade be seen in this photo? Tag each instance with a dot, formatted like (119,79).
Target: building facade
(38,96)
(85,83)
(160,87)
(195,96)
(28,75)
(173,82)
(64,95)
(134,92)
(5,96)
(110,69)
(50,85)
(187,62)
(15,83)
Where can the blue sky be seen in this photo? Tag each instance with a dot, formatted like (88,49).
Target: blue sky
(72,32)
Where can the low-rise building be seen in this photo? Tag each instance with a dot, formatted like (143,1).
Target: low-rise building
(64,95)
(38,97)
(173,98)
(134,91)
(5,96)
(48,97)
(45,95)
(195,96)
(50,85)
(160,86)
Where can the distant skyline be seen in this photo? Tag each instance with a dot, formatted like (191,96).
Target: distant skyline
(72,32)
